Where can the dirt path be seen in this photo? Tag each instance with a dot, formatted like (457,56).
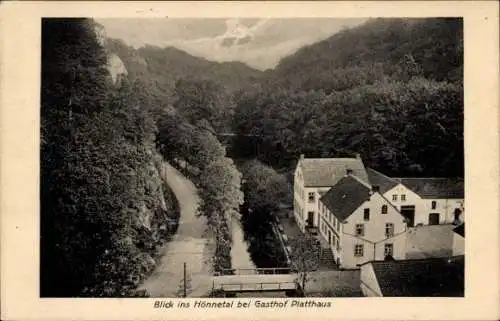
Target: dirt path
(189,245)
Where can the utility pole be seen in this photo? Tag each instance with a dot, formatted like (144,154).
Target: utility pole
(185,281)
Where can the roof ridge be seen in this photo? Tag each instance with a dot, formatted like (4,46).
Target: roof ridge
(360,181)
(382,174)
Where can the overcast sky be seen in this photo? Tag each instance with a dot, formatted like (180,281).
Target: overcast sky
(258,42)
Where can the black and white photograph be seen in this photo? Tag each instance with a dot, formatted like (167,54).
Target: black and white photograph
(252,157)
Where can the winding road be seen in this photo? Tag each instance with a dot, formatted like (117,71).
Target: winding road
(189,245)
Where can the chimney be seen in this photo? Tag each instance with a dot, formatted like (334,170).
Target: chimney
(348,171)
(301,156)
(375,188)
(358,156)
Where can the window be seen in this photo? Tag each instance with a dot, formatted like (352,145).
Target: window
(403,197)
(360,230)
(389,229)
(366,215)
(310,219)
(388,249)
(394,197)
(384,209)
(311,197)
(358,250)
(433,205)
(338,245)
(338,225)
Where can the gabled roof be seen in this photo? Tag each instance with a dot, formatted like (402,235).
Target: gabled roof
(434,187)
(460,230)
(434,277)
(346,196)
(325,172)
(384,182)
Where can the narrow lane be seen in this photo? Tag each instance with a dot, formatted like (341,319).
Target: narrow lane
(189,245)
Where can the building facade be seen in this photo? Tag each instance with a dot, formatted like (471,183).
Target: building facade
(423,201)
(360,224)
(312,178)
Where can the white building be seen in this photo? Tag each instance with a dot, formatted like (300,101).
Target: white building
(314,176)
(360,224)
(423,201)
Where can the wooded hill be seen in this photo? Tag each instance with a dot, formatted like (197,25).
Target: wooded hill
(380,48)
(390,89)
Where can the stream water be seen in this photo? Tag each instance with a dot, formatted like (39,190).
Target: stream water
(240,257)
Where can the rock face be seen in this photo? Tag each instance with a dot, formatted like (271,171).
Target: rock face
(115,65)
(116,68)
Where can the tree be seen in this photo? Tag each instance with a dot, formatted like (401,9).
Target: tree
(305,257)
(264,188)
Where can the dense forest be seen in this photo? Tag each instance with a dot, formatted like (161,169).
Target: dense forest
(104,202)
(390,90)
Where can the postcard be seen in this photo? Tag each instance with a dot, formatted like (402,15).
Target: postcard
(250,160)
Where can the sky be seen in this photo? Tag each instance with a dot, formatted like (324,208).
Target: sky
(260,43)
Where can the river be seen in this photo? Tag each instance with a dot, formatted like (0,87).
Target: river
(240,258)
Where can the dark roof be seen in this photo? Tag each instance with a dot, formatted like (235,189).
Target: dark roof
(433,277)
(460,230)
(346,196)
(435,187)
(385,183)
(325,172)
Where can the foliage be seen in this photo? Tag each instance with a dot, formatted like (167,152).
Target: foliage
(398,49)
(405,128)
(201,156)
(163,67)
(102,201)
(264,190)
(304,257)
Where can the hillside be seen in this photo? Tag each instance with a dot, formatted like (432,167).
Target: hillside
(165,66)
(380,48)
(390,89)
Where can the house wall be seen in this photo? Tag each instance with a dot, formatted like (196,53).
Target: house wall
(329,223)
(302,205)
(298,198)
(369,283)
(374,238)
(423,206)
(445,208)
(458,245)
